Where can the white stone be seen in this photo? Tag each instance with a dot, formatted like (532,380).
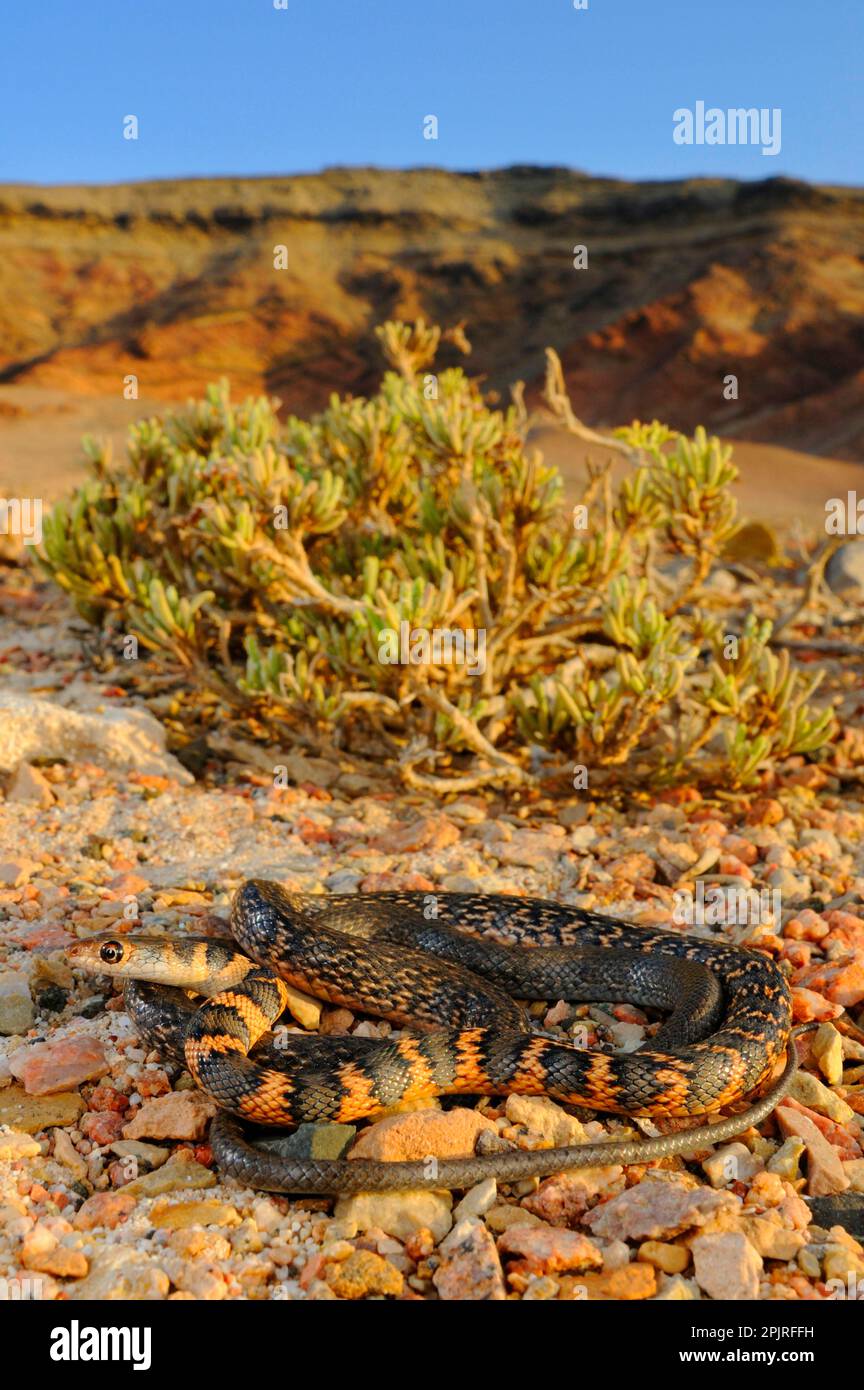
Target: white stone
(130,739)
(844,572)
(16,1005)
(477,1200)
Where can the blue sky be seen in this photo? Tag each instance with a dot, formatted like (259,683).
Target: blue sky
(239,87)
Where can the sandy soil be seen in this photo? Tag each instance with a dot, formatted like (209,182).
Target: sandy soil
(777,485)
(41,431)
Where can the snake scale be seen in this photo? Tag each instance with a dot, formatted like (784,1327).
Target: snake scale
(451,966)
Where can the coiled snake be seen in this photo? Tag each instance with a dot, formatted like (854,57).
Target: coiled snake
(450,963)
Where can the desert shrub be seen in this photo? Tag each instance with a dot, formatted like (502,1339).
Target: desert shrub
(276,561)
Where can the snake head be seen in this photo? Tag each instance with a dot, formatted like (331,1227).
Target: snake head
(197,963)
(102,955)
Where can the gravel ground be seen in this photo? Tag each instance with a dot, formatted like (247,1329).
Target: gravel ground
(107,1187)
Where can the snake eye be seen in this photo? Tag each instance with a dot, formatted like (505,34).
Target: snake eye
(111,952)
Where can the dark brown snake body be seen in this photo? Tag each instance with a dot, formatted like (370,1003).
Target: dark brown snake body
(451,963)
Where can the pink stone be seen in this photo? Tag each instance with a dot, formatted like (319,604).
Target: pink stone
(745,850)
(102,1126)
(842,982)
(824,1164)
(108,1098)
(427,832)
(50,937)
(846,927)
(470,1267)
(563,1199)
(654,1210)
(731,864)
(839,1135)
(547,1249)
(534,849)
(727,1266)
(808,1005)
(103,1209)
(632,866)
(559,1013)
(128,884)
(60,1065)
(806,925)
(710,832)
(179,1115)
(418,1133)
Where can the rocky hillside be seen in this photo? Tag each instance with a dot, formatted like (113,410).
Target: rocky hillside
(686,283)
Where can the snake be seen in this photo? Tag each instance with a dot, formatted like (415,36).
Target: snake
(453,968)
